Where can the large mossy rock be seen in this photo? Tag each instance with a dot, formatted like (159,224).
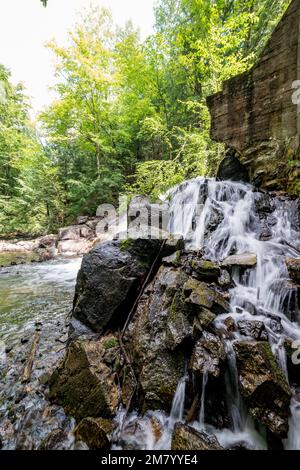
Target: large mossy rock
(171,316)
(155,336)
(94,432)
(263,386)
(84,383)
(109,280)
(186,438)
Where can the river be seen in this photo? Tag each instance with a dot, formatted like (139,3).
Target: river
(35,302)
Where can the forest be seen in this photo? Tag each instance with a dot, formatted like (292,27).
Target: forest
(130,116)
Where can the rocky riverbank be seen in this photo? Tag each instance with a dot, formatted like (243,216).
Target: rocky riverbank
(74,240)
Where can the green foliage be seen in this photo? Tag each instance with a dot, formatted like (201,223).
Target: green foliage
(130,116)
(30,196)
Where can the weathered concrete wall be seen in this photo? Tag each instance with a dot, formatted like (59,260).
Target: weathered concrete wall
(255,114)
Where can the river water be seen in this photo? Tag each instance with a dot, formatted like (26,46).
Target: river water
(35,302)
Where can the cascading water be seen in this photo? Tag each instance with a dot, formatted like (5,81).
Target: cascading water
(223,219)
(264,290)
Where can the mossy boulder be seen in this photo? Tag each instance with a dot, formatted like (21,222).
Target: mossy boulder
(84,383)
(208,355)
(187,438)
(200,294)
(155,338)
(205,270)
(263,386)
(94,432)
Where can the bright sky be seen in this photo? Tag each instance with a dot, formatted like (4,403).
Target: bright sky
(25,26)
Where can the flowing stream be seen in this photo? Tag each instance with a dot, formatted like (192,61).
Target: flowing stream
(35,302)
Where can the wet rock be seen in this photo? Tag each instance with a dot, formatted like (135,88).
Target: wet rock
(242,260)
(154,338)
(157,428)
(159,379)
(172,260)
(83,383)
(230,324)
(173,244)
(199,293)
(232,169)
(205,270)
(186,438)
(90,431)
(266,233)
(224,279)
(203,319)
(109,280)
(54,441)
(208,355)
(263,386)
(264,203)
(254,329)
(293,265)
(216,217)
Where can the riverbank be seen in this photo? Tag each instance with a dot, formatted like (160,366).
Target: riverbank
(75,239)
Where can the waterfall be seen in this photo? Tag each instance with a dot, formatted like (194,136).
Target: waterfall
(221,218)
(202,404)
(177,410)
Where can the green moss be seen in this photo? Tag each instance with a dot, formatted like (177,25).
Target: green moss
(14,258)
(110,343)
(125,245)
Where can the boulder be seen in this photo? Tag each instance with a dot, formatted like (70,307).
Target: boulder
(109,280)
(263,386)
(84,383)
(253,329)
(91,431)
(86,232)
(56,440)
(200,294)
(293,265)
(69,233)
(232,169)
(187,438)
(208,354)
(155,338)
(244,260)
(47,241)
(205,270)
(77,247)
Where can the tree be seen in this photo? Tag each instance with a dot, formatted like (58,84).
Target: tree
(29,190)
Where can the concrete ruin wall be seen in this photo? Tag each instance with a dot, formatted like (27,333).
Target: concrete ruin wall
(255,113)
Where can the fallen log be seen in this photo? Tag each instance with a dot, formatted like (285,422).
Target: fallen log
(30,359)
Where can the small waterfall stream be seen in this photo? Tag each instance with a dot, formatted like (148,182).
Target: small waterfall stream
(264,290)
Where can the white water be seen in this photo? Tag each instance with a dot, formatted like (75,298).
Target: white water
(221,218)
(264,291)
